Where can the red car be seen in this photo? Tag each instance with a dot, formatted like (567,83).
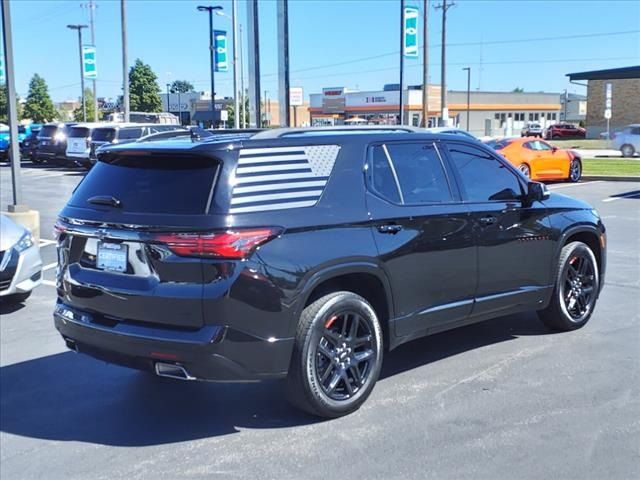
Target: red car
(564,130)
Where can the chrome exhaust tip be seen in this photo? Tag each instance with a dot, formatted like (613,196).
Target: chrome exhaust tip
(171,370)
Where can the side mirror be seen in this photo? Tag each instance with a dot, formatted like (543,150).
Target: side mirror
(536,192)
(554,149)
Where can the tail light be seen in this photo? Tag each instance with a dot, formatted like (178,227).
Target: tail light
(232,244)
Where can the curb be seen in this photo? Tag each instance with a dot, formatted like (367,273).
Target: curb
(609,178)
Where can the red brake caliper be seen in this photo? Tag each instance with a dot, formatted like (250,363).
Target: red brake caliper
(330,322)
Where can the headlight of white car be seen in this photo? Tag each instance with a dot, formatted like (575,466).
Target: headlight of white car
(25,242)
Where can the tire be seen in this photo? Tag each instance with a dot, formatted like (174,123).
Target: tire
(331,374)
(525,170)
(627,150)
(575,171)
(572,310)
(16,298)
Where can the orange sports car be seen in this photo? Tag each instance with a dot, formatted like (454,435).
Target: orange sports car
(539,160)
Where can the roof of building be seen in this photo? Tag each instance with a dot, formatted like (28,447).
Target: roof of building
(609,74)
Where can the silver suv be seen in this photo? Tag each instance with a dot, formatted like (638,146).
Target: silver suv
(628,140)
(532,129)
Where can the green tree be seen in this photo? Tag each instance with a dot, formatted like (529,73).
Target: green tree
(39,106)
(144,92)
(518,90)
(4,103)
(244,112)
(88,98)
(181,86)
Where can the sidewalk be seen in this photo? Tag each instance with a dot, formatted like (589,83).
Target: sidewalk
(588,153)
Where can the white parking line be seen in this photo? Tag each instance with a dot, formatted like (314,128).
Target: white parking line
(50,266)
(556,187)
(625,195)
(45,243)
(49,283)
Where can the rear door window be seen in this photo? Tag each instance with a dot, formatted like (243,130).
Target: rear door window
(170,185)
(416,168)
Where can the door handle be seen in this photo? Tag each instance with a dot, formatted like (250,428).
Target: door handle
(488,220)
(392,228)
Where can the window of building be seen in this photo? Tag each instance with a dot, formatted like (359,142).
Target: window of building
(484,178)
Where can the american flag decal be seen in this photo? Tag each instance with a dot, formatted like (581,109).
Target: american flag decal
(281,177)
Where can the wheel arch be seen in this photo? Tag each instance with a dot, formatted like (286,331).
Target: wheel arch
(363,278)
(585,234)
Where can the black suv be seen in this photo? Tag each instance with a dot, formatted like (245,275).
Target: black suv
(52,143)
(307,254)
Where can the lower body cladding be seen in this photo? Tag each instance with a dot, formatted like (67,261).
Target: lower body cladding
(213,352)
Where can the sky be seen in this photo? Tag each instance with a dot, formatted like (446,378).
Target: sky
(333,43)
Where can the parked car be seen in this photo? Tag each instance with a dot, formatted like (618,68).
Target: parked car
(122,133)
(307,254)
(564,130)
(539,160)
(532,129)
(52,143)
(5,140)
(452,131)
(29,144)
(628,140)
(20,262)
(79,141)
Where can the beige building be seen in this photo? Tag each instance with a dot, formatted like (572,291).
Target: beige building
(623,85)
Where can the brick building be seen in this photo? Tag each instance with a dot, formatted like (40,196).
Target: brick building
(625,98)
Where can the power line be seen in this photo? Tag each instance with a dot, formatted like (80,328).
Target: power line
(464,44)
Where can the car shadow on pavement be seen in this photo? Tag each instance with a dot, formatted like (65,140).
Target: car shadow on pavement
(71,397)
(9,306)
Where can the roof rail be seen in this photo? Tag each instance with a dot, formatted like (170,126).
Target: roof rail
(284,132)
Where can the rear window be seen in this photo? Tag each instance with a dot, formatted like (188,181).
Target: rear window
(104,134)
(499,145)
(79,132)
(48,131)
(129,133)
(167,185)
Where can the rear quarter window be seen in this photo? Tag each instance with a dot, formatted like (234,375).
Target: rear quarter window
(104,134)
(129,133)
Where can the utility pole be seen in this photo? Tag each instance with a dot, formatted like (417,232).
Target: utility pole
(254,63)
(266,108)
(401,102)
(444,110)
(243,119)
(566,100)
(84,103)
(92,8)
(125,62)
(425,66)
(14,148)
(283,63)
(210,10)
(236,101)
(468,70)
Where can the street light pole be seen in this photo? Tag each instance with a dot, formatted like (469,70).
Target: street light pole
(209,9)
(425,67)
(401,109)
(444,110)
(236,102)
(14,149)
(84,104)
(168,87)
(468,69)
(125,67)
(242,101)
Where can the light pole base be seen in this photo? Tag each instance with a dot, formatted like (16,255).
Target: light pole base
(29,219)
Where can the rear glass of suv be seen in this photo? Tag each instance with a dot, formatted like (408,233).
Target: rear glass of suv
(170,185)
(48,131)
(130,133)
(79,132)
(103,134)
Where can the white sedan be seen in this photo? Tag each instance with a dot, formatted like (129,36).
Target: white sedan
(20,262)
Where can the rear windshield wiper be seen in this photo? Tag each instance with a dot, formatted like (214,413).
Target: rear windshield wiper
(105,200)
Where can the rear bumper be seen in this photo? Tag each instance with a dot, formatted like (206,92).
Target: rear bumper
(214,352)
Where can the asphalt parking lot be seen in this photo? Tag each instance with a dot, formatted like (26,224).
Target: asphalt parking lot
(502,399)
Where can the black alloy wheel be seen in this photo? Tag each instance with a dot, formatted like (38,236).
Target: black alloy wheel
(345,355)
(578,286)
